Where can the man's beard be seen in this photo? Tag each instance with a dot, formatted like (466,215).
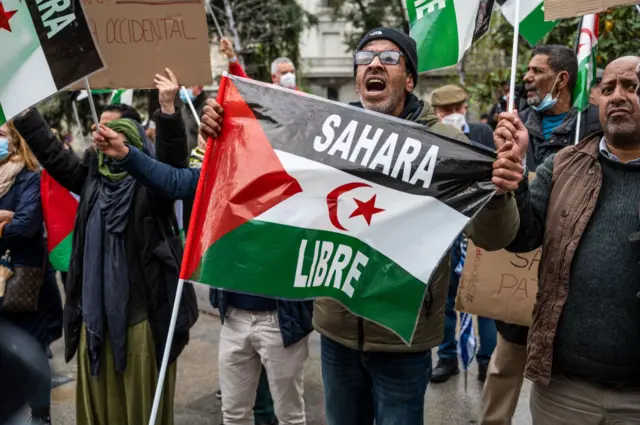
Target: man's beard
(387,107)
(535,100)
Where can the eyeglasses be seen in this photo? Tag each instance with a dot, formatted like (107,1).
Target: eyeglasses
(387,57)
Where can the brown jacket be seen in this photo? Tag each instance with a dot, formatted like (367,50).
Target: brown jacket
(493,228)
(554,213)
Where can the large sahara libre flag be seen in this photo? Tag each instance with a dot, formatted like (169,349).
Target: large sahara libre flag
(533,27)
(587,68)
(301,197)
(445,29)
(45,46)
(59,207)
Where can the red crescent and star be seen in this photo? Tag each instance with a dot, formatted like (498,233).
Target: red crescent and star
(366,209)
(5,16)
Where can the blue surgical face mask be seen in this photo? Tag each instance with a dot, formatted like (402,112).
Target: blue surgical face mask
(190,93)
(4,148)
(549,101)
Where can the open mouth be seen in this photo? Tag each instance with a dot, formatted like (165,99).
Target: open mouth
(375,84)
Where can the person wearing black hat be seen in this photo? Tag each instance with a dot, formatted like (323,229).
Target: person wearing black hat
(369,373)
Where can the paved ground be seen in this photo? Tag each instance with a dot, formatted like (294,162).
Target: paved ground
(197,382)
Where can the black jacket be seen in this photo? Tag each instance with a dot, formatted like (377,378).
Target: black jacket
(481,134)
(152,242)
(539,149)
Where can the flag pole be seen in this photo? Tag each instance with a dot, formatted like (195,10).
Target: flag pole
(514,57)
(193,109)
(577,50)
(578,128)
(165,356)
(92,105)
(213,16)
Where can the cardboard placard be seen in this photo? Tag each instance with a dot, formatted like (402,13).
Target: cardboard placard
(140,38)
(562,9)
(499,285)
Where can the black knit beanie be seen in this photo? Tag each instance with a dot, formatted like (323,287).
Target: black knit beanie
(406,44)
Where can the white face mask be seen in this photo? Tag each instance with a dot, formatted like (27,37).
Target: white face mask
(456,120)
(288,80)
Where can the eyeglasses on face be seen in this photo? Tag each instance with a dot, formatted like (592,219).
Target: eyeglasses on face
(387,57)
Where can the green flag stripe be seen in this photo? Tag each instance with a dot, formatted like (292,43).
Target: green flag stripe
(3,117)
(533,27)
(262,258)
(584,82)
(60,255)
(436,34)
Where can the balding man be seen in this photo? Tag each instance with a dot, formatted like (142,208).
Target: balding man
(582,208)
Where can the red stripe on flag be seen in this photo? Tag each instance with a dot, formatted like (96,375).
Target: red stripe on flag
(241,178)
(59,210)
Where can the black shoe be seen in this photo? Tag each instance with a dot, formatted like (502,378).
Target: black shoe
(272,422)
(482,371)
(219,394)
(444,370)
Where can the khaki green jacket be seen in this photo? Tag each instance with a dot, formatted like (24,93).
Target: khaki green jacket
(493,228)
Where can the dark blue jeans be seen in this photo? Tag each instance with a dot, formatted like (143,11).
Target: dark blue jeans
(360,387)
(486,327)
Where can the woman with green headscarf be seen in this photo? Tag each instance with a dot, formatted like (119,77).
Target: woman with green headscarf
(123,274)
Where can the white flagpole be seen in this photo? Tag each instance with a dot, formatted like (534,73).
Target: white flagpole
(76,116)
(578,128)
(92,105)
(514,57)
(193,109)
(234,30)
(165,356)
(213,16)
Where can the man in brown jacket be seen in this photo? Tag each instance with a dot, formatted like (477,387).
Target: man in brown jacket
(582,208)
(369,373)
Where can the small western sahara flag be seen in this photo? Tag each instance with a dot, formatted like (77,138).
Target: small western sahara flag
(45,46)
(59,208)
(301,197)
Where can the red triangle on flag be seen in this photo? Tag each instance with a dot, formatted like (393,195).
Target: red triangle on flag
(59,210)
(241,178)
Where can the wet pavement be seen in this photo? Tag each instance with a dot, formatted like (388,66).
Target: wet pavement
(446,404)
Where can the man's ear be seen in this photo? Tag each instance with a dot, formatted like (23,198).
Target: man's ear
(409,84)
(563,80)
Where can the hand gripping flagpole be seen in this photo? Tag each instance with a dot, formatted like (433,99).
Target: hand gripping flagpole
(176,305)
(514,57)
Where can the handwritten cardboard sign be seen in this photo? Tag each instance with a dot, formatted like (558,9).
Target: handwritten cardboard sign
(499,285)
(140,38)
(562,9)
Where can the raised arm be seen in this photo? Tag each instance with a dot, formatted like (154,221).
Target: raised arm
(171,139)
(63,165)
(166,181)
(234,64)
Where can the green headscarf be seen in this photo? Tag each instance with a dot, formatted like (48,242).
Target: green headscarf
(131,136)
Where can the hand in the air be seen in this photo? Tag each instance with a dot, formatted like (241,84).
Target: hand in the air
(111,143)
(211,122)
(168,88)
(226,47)
(511,129)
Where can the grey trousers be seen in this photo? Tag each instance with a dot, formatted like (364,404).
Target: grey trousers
(574,401)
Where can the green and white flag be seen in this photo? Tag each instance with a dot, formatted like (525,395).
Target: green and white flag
(117,96)
(587,43)
(445,29)
(45,46)
(533,27)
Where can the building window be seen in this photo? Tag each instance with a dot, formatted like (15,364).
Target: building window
(332,93)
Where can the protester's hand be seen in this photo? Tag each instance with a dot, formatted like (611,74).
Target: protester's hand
(211,120)
(226,47)
(6,215)
(508,170)
(511,129)
(111,143)
(168,88)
